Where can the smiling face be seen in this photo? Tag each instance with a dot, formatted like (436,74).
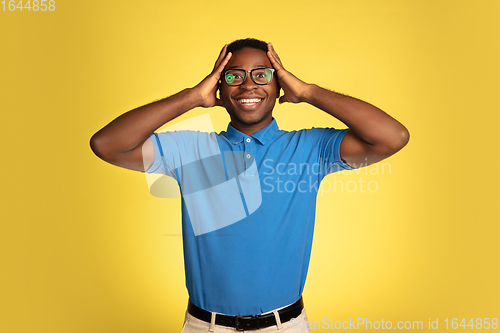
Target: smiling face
(249,105)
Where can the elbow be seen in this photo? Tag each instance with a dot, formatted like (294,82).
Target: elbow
(400,139)
(394,142)
(98,146)
(403,138)
(101,148)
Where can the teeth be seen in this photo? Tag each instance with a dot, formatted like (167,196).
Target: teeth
(249,100)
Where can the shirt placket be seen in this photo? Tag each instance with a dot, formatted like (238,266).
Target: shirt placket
(249,155)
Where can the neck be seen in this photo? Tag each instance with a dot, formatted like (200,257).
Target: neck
(250,129)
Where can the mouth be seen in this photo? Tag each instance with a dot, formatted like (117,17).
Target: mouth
(249,101)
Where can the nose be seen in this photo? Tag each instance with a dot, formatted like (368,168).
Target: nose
(248,84)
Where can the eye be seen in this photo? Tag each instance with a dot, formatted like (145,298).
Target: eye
(230,78)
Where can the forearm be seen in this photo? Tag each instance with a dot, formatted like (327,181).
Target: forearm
(367,122)
(132,128)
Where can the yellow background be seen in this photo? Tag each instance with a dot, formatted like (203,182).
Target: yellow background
(86,248)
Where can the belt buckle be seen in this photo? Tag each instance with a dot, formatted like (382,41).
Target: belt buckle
(239,328)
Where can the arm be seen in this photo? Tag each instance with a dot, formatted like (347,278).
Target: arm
(373,135)
(125,141)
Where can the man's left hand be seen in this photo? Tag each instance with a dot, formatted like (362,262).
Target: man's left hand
(295,90)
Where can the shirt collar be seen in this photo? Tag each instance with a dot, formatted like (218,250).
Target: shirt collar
(263,136)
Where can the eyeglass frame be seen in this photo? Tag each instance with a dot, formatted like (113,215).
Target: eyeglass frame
(251,76)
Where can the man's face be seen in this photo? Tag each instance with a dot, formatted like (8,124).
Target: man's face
(249,104)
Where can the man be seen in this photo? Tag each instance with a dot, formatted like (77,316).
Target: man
(248,193)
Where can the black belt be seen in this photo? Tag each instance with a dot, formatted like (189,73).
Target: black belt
(243,323)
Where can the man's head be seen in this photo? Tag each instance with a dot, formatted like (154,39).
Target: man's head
(249,104)
(247,42)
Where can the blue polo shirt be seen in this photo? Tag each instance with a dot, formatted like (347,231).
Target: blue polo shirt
(248,210)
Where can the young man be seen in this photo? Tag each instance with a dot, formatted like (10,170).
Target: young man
(248,193)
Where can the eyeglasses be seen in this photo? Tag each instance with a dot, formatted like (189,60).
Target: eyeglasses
(260,76)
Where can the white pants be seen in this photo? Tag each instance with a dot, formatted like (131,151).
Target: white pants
(195,325)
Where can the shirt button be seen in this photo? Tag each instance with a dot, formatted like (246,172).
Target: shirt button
(248,140)
(248,155)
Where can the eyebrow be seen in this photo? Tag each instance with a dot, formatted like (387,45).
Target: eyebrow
(239,67)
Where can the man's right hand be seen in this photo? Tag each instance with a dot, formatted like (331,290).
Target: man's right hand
(207,89)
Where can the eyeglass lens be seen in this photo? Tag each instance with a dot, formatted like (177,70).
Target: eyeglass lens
(235,77)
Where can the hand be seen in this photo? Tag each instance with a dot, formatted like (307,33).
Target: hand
(295,90)
(207,89)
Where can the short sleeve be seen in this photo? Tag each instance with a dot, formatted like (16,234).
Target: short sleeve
(177,148)
(327,143)
(160,166)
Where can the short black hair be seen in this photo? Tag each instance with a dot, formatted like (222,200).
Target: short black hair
(247,42)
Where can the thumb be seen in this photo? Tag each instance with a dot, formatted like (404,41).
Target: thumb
(283,99)
(218,102)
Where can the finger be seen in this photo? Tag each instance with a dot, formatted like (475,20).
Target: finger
(275,54)
(218,70)
(274,61)
(221,57)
